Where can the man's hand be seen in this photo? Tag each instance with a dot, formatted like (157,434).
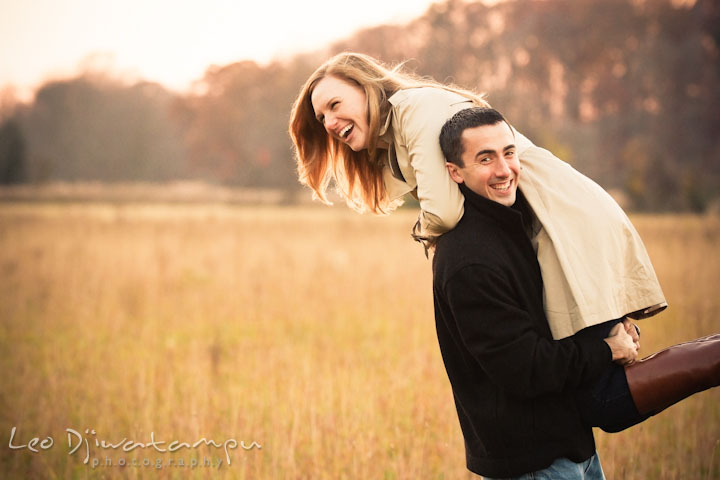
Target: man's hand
(633,331)
(624,349)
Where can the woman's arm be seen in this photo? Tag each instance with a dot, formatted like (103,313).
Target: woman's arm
(419,118)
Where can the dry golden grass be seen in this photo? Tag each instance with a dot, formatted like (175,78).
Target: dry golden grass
(307,330)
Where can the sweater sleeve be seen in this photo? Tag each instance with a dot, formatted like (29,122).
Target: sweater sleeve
(510,346)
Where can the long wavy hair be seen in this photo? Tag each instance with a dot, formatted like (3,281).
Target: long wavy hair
(321,158)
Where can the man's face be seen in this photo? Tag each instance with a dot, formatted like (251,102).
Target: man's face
(490,164)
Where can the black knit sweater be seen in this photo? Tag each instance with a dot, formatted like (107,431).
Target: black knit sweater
(512,383)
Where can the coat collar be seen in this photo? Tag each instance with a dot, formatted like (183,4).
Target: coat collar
(395,184)
(394,99)
(388,120)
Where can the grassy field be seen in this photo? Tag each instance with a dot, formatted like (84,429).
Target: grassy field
(309,331)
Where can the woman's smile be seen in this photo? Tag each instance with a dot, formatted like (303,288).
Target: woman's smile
(341,107)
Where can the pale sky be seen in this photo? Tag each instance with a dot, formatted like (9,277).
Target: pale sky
(173,42)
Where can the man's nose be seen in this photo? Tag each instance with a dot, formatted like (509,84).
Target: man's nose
(502,169)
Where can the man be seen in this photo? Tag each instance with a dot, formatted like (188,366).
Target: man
(513,384)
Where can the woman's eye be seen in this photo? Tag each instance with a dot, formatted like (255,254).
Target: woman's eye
(333,104)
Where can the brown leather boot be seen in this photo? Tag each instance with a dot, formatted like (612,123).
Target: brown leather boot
(668,376)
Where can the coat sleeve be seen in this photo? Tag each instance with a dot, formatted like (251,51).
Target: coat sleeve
(441,203)
(510,346)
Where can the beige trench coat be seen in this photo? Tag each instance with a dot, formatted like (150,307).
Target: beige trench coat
(594,265)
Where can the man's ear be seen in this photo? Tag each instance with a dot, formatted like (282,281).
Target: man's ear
(454,172)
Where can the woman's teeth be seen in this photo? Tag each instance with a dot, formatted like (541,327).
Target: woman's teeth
(346,131)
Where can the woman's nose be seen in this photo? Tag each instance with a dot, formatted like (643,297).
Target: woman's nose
(329,122)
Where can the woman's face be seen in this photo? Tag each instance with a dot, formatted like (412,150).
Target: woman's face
(341,107)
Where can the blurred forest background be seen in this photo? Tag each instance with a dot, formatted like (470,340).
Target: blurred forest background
(628,91)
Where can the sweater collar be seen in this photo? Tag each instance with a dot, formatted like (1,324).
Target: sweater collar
(477,205)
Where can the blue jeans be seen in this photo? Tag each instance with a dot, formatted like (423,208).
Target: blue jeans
(564,469)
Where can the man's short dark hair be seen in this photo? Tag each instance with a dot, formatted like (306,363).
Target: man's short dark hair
(451,133)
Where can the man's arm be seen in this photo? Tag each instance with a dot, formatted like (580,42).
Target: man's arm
(509,345)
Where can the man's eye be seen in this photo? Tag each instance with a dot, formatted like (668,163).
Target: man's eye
(333,104)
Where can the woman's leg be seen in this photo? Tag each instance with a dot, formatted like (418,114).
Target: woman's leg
(668,376)
(626,396)
(607,403)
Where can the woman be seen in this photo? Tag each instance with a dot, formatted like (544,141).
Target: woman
(375,132)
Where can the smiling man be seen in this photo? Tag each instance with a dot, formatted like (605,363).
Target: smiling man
(489,165)
(512,383)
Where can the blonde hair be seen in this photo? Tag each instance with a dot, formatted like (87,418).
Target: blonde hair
(322,158)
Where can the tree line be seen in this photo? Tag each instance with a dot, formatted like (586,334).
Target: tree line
(626,91)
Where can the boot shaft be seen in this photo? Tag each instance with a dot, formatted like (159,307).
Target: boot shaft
(670,375)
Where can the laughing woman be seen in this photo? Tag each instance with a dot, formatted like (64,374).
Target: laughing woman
(375,131)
